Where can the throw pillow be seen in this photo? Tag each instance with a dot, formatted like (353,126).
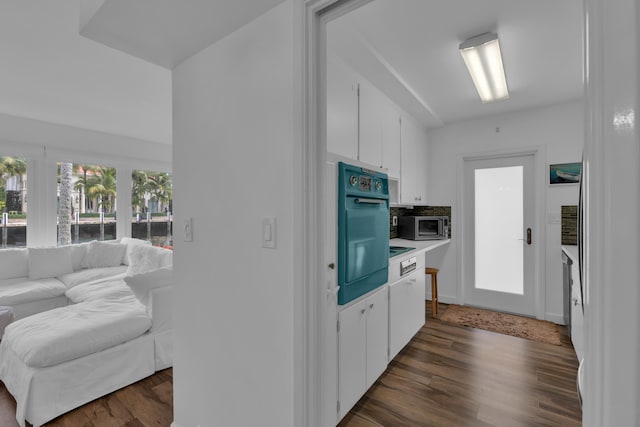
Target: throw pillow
(145,258)
(49,262)
(131,243)
(142,284)
(14,263)
(77,255)
(103,254)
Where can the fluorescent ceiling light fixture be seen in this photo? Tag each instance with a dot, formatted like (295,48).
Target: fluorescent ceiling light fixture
(482,57)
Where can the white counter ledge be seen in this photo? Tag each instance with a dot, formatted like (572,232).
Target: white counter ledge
(419,245)
(571,251)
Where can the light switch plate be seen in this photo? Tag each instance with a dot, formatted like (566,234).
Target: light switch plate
(269,233)
(187,228)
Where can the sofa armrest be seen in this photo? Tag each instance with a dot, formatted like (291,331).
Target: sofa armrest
(160,309)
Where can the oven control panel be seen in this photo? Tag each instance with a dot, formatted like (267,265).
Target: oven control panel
(408,265)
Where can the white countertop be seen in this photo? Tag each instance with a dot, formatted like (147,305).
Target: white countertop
(419,245)
(571,251)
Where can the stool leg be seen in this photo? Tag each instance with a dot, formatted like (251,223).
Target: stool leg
(434,294)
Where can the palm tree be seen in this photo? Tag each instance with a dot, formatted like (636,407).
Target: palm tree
(160,188)
(138,190)
(103,186)
(64,209)
(81,183)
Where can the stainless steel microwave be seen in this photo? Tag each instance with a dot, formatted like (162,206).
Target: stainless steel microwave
(423,227)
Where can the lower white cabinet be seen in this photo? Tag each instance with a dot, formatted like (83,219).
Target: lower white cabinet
(362,347)
(577,315)
(406,309)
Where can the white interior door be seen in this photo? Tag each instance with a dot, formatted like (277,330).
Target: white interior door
(499,245)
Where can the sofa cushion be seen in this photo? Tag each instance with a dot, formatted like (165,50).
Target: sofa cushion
(22,290)
(92,275)
(146,258)
(66,333)
(49,262)
(14,263)
(131,243)
(142,284)
(115,290)
(103,254)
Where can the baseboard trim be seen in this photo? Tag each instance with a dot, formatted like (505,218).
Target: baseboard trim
(555,318)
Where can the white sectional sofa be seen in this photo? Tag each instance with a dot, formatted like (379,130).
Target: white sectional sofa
(89,319)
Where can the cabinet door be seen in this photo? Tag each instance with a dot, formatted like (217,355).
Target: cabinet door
(415,304)
(421,167)
(408,153)
(377,334)
(413,163)
(391,139)
(406,310)
(342,109)
(370,142)
(352,357)
(397,316)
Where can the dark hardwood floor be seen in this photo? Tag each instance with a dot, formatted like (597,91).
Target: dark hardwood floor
(447,375)
(451,375)
(147,403)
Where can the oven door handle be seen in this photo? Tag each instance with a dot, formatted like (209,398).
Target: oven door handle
(371,201)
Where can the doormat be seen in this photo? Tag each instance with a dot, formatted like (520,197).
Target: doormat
(509,324)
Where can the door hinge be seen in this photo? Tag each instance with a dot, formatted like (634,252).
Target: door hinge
(338,407)
(338,326)
(388,353)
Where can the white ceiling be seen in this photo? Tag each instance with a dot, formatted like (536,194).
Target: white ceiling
(166,32)
(409,49)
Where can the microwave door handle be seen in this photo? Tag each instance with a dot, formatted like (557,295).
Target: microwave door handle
(371,201)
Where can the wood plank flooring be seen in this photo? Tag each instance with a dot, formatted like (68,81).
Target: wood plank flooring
(147,403)
(447,375)
(450,375)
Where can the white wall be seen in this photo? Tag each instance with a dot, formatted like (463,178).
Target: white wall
(559,128)
(233,165)
(50,73)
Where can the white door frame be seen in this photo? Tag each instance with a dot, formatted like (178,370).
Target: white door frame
(539,223)
(603,22)
(310,269)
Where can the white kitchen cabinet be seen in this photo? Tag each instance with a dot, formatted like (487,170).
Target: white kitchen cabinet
(577,315)
(413,163)
(408,164)
(370,142)
(342,109)
(421,167)
(390,121)
(406,309)
(362,347)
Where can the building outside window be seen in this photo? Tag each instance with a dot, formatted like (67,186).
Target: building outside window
(152,204)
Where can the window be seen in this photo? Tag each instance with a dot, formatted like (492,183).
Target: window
(86,203)
(13,201)
(152,202)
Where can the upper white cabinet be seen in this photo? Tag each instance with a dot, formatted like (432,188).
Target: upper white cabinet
(362,123)
(413,163)
(379,125)
(390,120)
(342,109)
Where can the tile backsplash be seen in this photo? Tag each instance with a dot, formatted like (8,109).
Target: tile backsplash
(569,225)
(417,211)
